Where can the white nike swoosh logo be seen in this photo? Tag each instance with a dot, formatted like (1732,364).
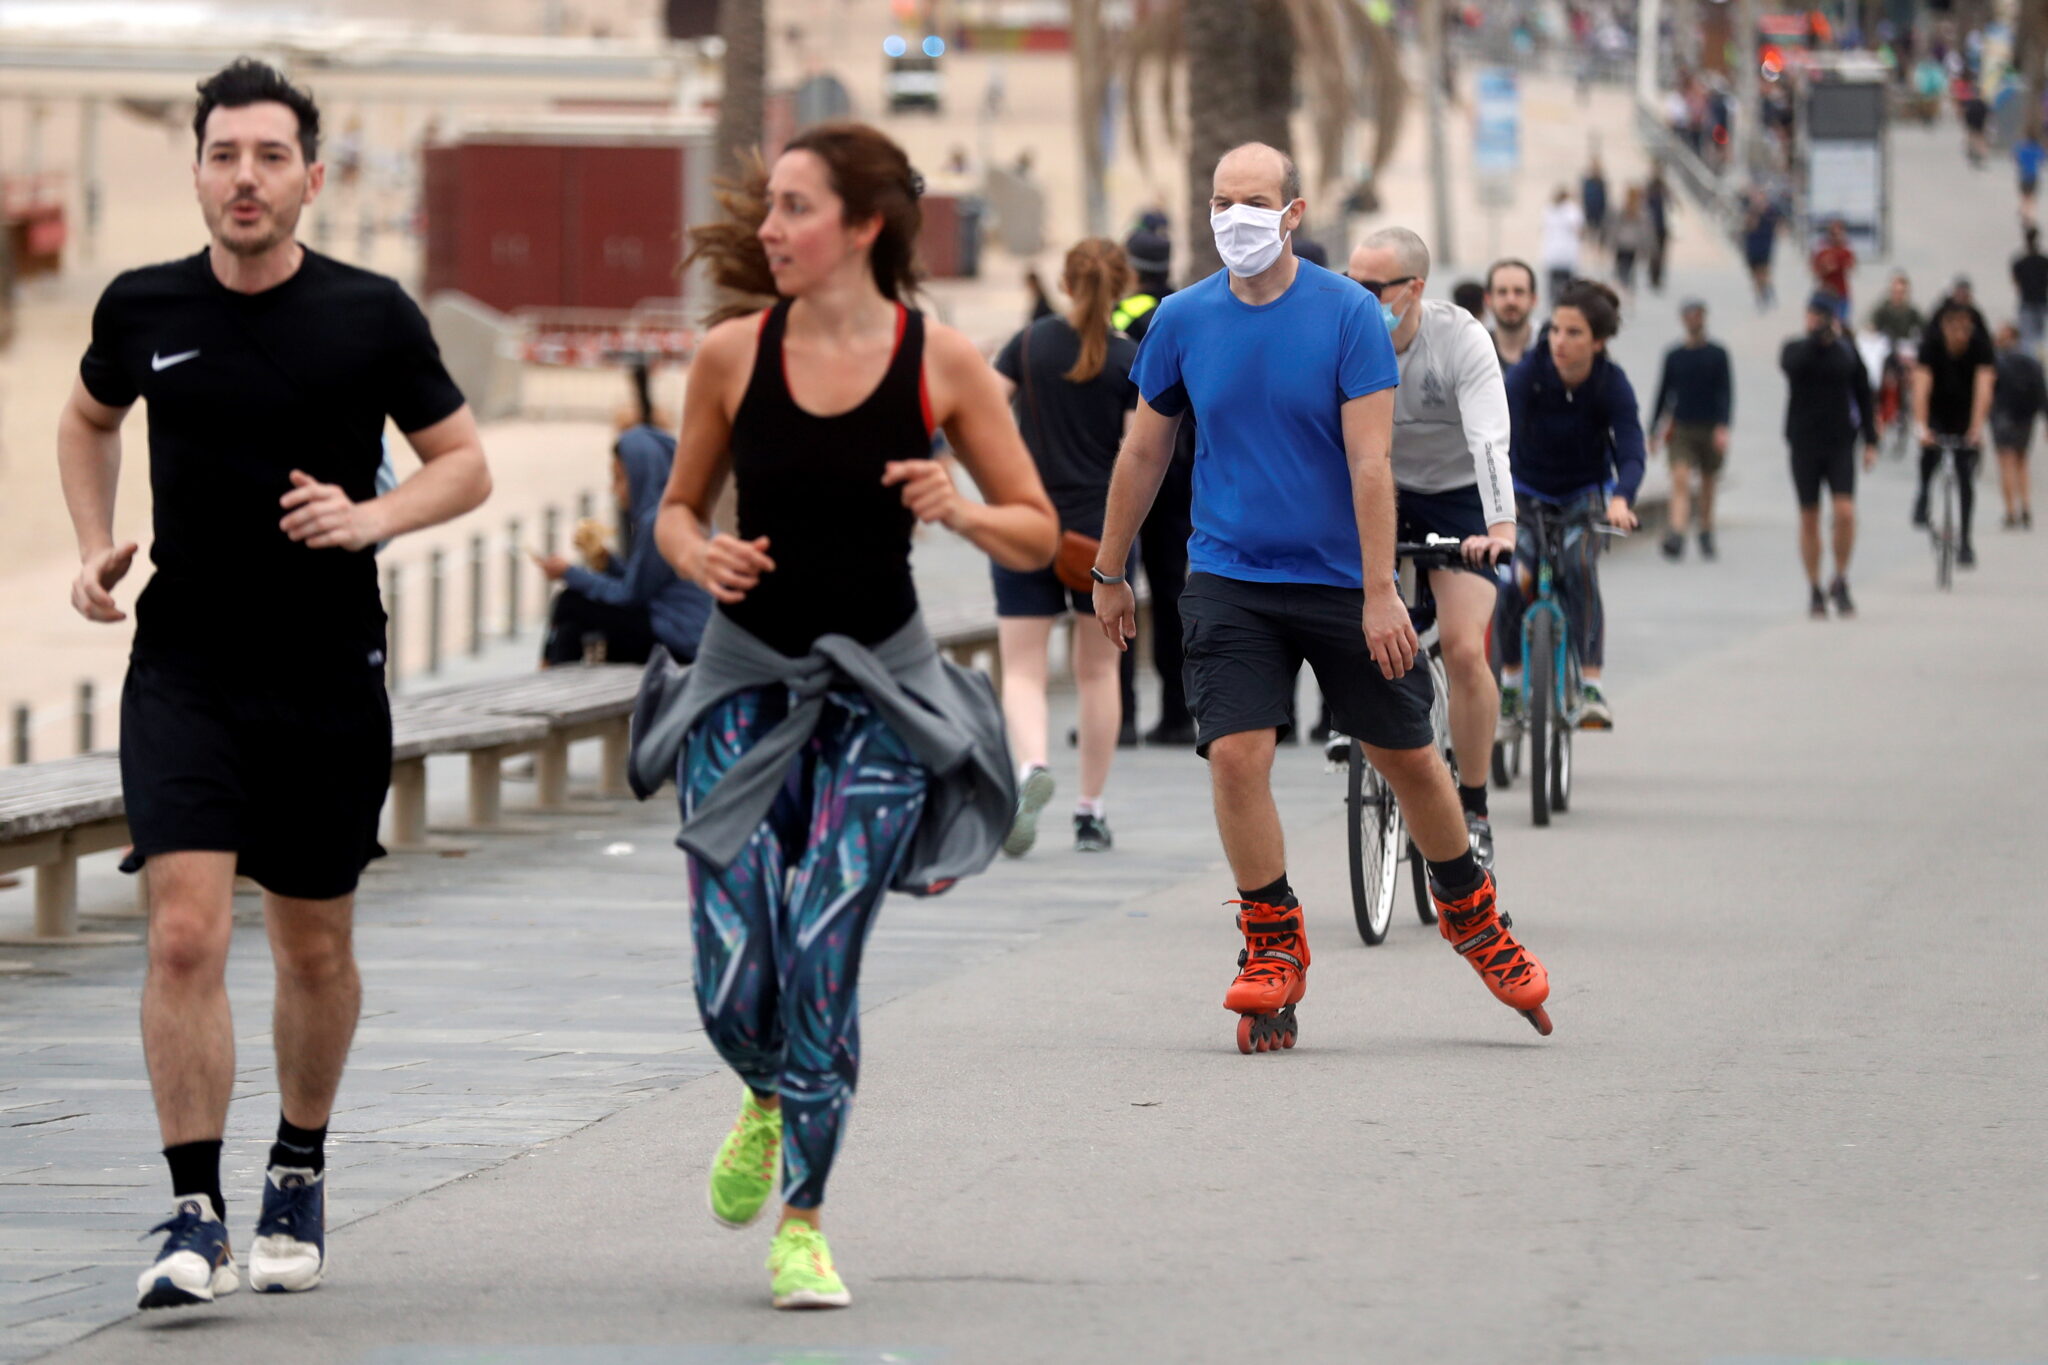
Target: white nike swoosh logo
(164,362)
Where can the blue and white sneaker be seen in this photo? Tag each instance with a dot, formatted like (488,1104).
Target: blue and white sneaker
(290,1251)
(195,1265)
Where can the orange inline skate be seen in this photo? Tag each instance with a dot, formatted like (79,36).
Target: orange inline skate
(1483,937)
(1272,975)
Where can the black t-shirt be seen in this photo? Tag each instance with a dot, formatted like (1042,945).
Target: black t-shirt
(243,389)
(1073,430)
(1952,395)
(2030,277)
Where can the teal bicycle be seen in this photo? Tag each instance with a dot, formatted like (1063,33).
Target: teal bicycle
(1553,678)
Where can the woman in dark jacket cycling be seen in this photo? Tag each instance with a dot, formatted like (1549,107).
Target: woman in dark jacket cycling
(1578,444)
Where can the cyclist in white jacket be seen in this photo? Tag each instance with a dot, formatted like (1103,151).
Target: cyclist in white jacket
(1450,461)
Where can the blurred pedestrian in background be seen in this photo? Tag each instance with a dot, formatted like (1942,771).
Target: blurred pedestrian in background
(1834,261)
(1695,403)
(1630,237)
(1593,201)
(1070,382)
(1827,404)
(2030,281)
(1759,244)
(1657,203)
(1564,224)
(2018,398)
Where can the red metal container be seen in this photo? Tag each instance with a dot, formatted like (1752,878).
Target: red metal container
(564,213)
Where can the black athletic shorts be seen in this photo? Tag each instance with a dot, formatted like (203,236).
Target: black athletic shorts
(290,776)
(1246,642)
(1454,512)
(1814,465)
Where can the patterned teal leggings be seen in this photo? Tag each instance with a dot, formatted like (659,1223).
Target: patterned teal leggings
(779,933)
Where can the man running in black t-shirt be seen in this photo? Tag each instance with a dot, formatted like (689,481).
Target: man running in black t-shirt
(255,733)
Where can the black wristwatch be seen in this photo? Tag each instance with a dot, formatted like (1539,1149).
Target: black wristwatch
(1100,577)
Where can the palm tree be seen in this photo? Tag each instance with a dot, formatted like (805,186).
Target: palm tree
(1243,60)
(743,25)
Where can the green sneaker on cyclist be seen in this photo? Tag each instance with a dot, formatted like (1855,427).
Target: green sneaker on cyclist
(1594,712)
(1512,714)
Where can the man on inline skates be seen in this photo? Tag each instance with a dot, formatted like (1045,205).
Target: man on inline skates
(1293,373)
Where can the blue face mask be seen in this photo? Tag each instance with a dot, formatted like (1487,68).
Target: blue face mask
(1390,317)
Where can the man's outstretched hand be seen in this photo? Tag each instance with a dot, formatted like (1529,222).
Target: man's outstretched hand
(92,591)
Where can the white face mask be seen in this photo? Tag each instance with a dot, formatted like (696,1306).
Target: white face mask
(1248,238)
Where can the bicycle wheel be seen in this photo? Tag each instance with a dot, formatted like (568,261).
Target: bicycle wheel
(1541,658)
(1418,876)
(1503,776)
(1375,846)
(1945,537)
(1558,768)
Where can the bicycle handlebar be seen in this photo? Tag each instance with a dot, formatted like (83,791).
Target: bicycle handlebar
(1444,552)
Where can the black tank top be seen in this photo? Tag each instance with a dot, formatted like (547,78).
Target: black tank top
(813,486)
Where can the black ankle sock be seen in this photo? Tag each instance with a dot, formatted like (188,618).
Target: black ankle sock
(1473,799)
(304,1148)
(195,1169)
(1277,892)
(1458,877)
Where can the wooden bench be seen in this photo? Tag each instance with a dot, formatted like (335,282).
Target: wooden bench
(418,731)
(571,703)
(51,815)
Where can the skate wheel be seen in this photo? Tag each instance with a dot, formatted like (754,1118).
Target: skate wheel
(1244,1034)
(1540,1018)
(1287,1038)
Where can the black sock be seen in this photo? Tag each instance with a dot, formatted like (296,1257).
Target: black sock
(195,1169)
(1473,799)
(304,1148)
(1277,892)
(1458,877)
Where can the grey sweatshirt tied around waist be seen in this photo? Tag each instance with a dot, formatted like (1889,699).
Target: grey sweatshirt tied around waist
(946,715)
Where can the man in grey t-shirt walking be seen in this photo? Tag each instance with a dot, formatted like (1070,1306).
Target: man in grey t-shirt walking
(1451,478)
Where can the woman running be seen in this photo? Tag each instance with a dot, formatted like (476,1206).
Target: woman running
(1578,442)
(1072,382)
(830,754)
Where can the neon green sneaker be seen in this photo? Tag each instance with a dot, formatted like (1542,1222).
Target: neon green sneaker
(743,1172)
(804,1277)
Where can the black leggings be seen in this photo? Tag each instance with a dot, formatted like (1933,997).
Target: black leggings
(1966,480)
(627,639)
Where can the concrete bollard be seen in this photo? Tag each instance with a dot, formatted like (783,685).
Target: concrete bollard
(476,596)
(435,595)
(85,716)
(551,531)
(513,554)
(395,620)
(21,730)
(586,501)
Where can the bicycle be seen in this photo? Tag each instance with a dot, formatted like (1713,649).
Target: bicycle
(1553,677)
(1941,508)
(1377,835)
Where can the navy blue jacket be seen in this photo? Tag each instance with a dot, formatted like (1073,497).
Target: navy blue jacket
(676,608)
(1698,386)
(1570,441)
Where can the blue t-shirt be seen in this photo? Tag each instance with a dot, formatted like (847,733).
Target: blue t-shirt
(1267,385)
